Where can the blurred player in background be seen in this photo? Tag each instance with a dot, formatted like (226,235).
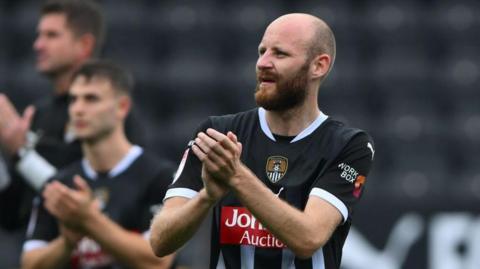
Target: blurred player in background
(97,214)
(68,34)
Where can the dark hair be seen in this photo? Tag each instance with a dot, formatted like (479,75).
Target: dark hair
(121,80)
(82,17)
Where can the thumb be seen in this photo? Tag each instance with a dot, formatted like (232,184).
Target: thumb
(81,185)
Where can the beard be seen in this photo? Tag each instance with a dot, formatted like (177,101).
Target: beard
(288,93)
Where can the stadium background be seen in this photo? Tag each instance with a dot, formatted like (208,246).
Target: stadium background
(406,71)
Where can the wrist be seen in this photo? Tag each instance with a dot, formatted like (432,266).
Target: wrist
(70,245)
(90,219)
(206,199)
(241,175)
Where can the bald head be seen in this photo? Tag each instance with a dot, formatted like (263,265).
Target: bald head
(310,31)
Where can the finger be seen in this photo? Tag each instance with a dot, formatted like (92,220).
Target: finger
(219,160)
(7,109)
(216,145)
(209,141)
(224,140)
(82,185)
(210,166)
(50,191)
(202,144)
(198,152)
(51,208)
(232,137)
(240,148)
(27,117)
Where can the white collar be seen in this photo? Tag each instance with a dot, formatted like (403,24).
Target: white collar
(307,131)
(121,166)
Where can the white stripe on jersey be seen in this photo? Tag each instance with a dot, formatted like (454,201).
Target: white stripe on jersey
(333,200)
(318,262)
(288,259)
(32,223)
(221,262)
(182,192)
(247,256)
(34,244)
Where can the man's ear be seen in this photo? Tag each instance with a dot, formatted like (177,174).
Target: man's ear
(87,45)
(124,106)
(320,65)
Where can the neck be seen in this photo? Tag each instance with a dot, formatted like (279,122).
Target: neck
(63,79)
(293,121)
(104,154)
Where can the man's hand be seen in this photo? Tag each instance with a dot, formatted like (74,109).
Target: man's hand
(72,207)
(13,128)
(220,156)
(71,237)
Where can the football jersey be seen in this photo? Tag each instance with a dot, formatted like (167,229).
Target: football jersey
(129,195)
(327,160)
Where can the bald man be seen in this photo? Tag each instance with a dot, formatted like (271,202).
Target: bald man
(283,179)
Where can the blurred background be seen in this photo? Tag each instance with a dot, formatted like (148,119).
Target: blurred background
(406,71)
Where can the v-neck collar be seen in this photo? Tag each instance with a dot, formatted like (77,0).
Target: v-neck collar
(306,132)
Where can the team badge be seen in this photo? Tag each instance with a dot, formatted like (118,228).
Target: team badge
(276,168)
(102,195)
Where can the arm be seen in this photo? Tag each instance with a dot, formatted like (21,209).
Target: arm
(302,231)
(128,247)
(76,210)
(16,138)
(54,255)
(176,223)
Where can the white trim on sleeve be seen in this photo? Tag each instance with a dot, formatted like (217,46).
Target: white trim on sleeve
(34,244)
(35,169)
(333,200)
(182,192)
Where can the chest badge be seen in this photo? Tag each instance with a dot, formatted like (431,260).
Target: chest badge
(276,168)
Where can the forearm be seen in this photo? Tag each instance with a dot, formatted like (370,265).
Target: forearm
(127,247)
(177,222)
(288,224)
(56,254)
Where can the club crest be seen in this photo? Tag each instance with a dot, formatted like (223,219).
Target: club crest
(276,168)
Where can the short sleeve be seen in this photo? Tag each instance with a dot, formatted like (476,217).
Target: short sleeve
(187,181)
(42,225)
(343,182)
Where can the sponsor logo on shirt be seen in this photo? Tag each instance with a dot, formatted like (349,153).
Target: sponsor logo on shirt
(358,186)
(239,227)
(351,175)
(276,168)
(89,254)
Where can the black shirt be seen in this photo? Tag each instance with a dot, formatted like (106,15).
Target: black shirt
(292,169)
(129,195)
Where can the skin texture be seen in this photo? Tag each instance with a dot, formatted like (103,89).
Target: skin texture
(285,56)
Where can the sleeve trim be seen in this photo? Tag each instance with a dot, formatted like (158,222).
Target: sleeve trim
(182,192)
(35,169)
(34,244)
(333,200)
